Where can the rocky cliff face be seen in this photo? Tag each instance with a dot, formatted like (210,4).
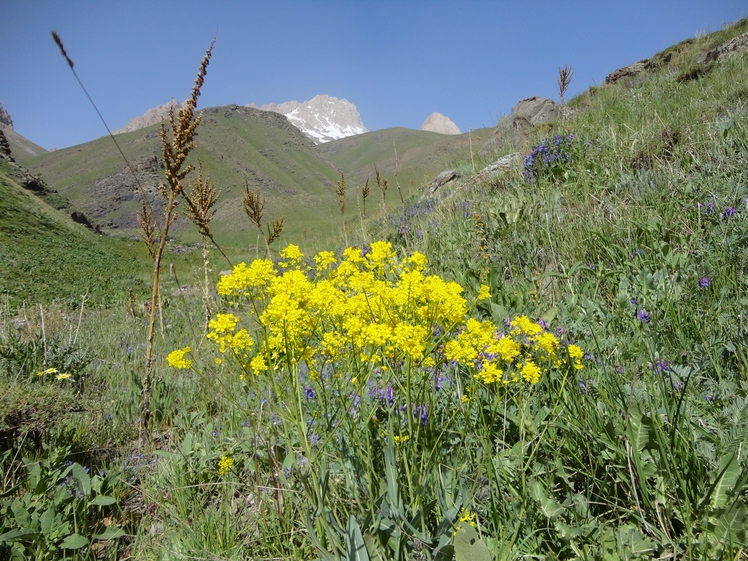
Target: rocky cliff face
(436,122)
(322,118)
(150,117)
(5,118)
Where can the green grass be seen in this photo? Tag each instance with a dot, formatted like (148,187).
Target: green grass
(635,249)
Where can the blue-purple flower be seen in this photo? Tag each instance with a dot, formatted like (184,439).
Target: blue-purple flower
(704,282)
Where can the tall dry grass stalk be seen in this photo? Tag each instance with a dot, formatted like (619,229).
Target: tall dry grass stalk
(254,206)
(201,200)
(565,75)
(176,143)
(382,184)
(340,192)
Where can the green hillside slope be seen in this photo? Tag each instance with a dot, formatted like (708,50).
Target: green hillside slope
(22,148)
(234,143)
(45,256)
(420,155)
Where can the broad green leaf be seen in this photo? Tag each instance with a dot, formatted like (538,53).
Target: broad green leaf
(112,532)
(83,480)
(548,504)
(446,553)
(47,520)
(187,444)
(355,545)
(468,545)
(730,526)
(729,472)
(74,541)
(18,535)
(102,500)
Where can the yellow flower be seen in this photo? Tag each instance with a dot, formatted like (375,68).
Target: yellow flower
(530,372)
(484,293)
(225,464)
(258,364)
(293,255)
(47,371)
(176,358)
(63,376)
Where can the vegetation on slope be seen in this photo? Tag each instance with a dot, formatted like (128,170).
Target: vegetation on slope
(363,439)
(47,257)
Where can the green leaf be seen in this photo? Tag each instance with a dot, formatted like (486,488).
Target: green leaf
(550,507)
(187,444)
(729,526)
(729,471)
(469,546)
(102,500)
(18,535)
(47,520)
(84,481)
(74,541)
(355,545)
(112,532)
(447,553)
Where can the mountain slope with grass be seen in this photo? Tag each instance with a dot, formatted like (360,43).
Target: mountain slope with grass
(548,362)
(236,144)
(46,256)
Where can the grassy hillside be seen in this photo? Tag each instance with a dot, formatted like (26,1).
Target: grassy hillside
(22,148)
(46,256)
(587,399)
(421,155)
(237,143)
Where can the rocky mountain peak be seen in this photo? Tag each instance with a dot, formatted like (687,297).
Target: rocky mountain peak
(5,118)
(322,118)
(150,117)
(436,122)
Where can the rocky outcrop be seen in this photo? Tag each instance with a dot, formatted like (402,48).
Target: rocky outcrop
(5,147)
(5,118)
(627,72)
(733,47)
(323,118)
(436,122)
(527,113)
(150,117)
(503,164)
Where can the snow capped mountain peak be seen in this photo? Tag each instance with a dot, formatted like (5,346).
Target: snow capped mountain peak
(322,118)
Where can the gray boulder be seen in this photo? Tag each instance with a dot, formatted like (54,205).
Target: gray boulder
(526,114)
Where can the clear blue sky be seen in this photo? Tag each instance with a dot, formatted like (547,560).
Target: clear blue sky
(396,60)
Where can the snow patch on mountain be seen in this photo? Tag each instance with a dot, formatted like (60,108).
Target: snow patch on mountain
(322,118)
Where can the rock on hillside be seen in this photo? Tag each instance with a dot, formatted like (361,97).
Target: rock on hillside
(525,115)
(436,122)
(5,118)
(322,118)
(150,117)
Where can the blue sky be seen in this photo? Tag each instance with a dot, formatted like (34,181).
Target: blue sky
(396,60)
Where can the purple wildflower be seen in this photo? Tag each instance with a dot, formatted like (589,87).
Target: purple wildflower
(704,282)
(310,393)
(729,211)
(643,316)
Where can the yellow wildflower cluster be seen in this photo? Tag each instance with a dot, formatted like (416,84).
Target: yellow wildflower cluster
(176,358)
(465,517)
(375,311)
(225,464)
(368,303)
(224,333)
(512,357)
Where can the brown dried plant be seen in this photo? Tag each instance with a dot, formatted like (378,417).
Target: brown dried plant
(382,184)
(201,200)
(183,127)
(364,194)
(565,75)
(175,151)
(340,192)
(253,203)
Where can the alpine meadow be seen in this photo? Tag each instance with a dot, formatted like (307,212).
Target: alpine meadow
(282,350)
